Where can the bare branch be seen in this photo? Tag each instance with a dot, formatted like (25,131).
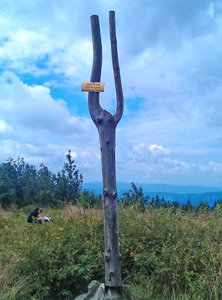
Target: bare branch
(116,69)
(93,98)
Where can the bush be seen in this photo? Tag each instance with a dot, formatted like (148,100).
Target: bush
(58,258)
(174,252)
(165,252)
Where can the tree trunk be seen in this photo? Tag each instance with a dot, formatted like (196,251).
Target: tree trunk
(106,125)
(112,255)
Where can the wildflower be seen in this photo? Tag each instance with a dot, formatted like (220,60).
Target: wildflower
(57,238)
(131,254)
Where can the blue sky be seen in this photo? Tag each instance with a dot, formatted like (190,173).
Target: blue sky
(171,68)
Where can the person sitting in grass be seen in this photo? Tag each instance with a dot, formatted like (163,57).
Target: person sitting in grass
(34,216)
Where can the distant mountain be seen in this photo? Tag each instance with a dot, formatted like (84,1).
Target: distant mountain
(182,193)
(179,189)
(195,199)
(156,188)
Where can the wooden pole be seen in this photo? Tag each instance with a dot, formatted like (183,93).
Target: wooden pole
(106,124)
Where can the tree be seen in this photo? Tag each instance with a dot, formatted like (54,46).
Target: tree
(74,179)
(46,186)
(21,184)
(68,181)
(106,124)
(88,199)
(7,190)
(28,185)
(135,197)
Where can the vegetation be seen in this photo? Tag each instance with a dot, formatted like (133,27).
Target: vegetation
(22,184)
(135,198)
(169,250)
(167,253)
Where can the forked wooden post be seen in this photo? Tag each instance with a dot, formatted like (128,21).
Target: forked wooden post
(106,124)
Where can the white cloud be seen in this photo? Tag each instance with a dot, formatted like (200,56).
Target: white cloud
(155,149)
(33,108)
(170,61)
(36,123)
(212,166)
(149,160)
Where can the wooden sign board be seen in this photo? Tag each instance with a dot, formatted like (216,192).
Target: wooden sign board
(93,87)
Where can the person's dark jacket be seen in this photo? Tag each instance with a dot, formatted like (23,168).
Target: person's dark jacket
(33,216)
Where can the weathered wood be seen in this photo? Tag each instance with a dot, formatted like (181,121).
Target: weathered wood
(106,124)
(116,69)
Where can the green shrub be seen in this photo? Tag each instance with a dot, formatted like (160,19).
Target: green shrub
(27,209)
(167,253)
(173,252)
(58,258)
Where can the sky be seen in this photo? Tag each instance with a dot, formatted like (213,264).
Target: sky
(171,70)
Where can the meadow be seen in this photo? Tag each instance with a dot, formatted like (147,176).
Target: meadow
(168,253)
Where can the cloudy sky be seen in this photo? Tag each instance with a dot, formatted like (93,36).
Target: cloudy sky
(171,68)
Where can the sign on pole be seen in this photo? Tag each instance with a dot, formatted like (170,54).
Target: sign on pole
(93,87)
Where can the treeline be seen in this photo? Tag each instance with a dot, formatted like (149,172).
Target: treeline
(135,197)
(22,184)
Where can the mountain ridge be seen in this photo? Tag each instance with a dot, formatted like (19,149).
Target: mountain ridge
(158,187)
(195,193)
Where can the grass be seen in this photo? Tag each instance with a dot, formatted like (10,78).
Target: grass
(167,254)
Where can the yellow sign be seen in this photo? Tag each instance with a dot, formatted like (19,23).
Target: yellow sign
(93,87)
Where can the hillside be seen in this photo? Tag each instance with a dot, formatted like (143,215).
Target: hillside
(182,193)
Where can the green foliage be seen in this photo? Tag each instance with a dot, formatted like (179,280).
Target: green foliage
(88,199)
(135,197)
(58,258)
(22,184)
(173,251)
(7,190)
(68,181)
(167,253)
(46,186)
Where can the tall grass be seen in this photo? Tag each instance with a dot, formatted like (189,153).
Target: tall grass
(11,289)
(167,253)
